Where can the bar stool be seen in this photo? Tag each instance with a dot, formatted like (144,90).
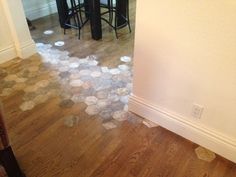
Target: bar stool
(75,12)
(120,8)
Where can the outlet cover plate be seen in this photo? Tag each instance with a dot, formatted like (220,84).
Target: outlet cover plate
(197,111)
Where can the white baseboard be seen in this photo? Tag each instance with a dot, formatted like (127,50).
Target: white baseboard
(7,54)
(41,11)
(195,132)
(26,49)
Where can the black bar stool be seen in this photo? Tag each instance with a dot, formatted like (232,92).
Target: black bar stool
(120,9)
(75,13)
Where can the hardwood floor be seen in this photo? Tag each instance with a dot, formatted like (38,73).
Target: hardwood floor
(46,146)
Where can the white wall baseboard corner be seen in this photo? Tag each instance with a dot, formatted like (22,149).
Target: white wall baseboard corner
(26,50)
(7,54)
(197,133)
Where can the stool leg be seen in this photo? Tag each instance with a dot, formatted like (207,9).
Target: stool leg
(116,24)
(80,14)
(64,31)
(129,26)
(9,163)
(73,6)
(79,34)
(127,10)
(62,8)
(78,24)
(110,10)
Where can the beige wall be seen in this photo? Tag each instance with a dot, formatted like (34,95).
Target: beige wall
(5,35)
(15,38)
(185,53)
(6,41)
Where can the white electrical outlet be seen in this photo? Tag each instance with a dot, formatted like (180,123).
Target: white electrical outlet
(197,111)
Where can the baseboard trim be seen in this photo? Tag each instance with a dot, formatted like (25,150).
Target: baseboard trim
(46,9)
(195,132)
(7,54)
(26,49)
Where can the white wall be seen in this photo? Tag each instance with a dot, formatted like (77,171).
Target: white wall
(7,49)
(38,8)
(15,38)
(185,53)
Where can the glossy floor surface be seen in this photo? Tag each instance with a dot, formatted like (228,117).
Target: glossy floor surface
(54,135)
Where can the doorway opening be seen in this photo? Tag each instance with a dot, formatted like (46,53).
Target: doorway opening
(97,73)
